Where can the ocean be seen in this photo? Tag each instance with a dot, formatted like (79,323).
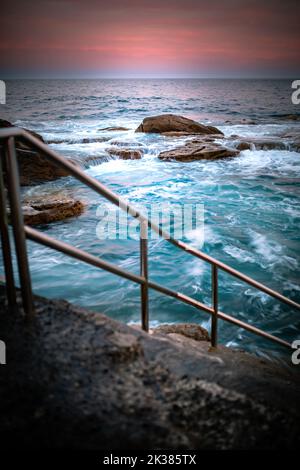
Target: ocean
(251,202)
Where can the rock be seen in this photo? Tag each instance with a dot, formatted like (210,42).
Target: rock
(84,140)
(173,123)
(266,143)
(190,330)
(76,379)
(50,209)
(33,166)
(290,117)
(244,121)
(292,138)
(125,143)
(124,153)
(113,129)
(244,146)
(198,150)
(94,160)
(296,145)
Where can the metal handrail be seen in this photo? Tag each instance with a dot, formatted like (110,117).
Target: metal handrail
(21,232)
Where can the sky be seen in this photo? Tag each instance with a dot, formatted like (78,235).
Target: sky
(156,38)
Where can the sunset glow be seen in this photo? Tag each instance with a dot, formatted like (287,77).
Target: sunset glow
(170,37)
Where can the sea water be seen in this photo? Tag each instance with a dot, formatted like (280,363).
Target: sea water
(251,202)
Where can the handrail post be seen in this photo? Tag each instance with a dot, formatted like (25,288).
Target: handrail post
(214,317)
(6,248)
(144,274)
(17,221)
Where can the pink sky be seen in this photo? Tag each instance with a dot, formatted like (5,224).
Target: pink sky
(158,37)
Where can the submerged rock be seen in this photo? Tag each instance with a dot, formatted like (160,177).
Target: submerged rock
(47,209)
(77,379)
(125,153)
(173,123)
(84,140)
(198,150)
(290,117)
(112,129)
(34,167)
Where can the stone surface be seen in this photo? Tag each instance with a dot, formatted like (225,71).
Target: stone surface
(33,166)
(50,209)
(125,153)
(79,380)
(173,123)
(189,330)
(198,150)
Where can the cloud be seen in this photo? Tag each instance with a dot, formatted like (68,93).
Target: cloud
(174,35)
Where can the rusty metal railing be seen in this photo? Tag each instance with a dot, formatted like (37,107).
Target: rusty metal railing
(21,232)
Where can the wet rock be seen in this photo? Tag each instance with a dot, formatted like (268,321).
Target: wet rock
(292,138)
(113,129)
(290,117)
(33,166)
(244,146)
(198,150)
(295,145)
(173,123)
(94,160)
(190,330)
(244,121)
(266,143)
(84,140)
(125,153)
(49,209)
(89,382)
(125,143)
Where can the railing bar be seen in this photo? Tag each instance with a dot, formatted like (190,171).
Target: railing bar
(235,273)
(214,317)
(179,296)
(113,198)
(43,239)
(79,254)
(6,247)
(144,274)
(18,226)
(253,329)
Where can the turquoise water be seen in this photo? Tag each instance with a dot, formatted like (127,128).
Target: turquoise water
(251,202)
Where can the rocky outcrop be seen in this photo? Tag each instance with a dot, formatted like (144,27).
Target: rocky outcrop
(198,150)
(125,153)
(33,166)
(79,380)
(47,209)
(173,123)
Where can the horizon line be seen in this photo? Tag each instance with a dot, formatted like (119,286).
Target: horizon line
(150,78)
